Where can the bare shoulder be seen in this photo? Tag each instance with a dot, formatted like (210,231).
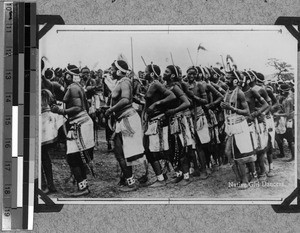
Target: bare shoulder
(157,84)
(125,83)
(255,92)
(240,94)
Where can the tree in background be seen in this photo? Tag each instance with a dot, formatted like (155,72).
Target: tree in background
(283,69)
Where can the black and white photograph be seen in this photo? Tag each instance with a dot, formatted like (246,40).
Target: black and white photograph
(168,114)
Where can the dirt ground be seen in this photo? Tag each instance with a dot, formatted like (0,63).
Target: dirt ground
(104,185)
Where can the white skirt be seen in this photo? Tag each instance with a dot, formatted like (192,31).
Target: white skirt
(242,135)
(81,134)
(158,136)
(132,135)
(202,129)
(51,123)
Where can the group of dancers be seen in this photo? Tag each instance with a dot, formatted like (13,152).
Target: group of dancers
(185,124)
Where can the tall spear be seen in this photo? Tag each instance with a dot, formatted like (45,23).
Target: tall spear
(223,62)
(131,53)
(174,65)
(144,61)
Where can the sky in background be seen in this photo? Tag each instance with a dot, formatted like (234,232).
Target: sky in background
(97,49)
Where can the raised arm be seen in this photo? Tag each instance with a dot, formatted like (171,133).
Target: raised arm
(183,99)
(190,94)
(242,108)
(92,86)
(219,88)
(168,95)
(215,93)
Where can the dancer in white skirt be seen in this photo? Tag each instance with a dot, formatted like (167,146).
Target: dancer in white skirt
(257,106)
(239,145)
(268,120)
(180,134)
(80,137)
(156,139)
(128,139)
(214,98)
(200,125)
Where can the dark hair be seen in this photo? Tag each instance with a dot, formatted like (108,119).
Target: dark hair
(215,71)
(122,64)
(58,72)
(174,70)
(154,69)
(260,77)
(49,73)
(247,76)
(192,68)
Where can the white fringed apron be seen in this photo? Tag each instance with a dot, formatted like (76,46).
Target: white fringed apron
(158,135)
(130,126)
(237,129)
(81,134)
(179,126)
(201,126)
(51,122)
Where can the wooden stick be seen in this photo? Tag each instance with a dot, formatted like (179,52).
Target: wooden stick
(223,63)
(174,65)
(132,54)
(144,61)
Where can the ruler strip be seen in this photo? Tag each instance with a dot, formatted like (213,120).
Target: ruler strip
(15,112)
(21,79)
(21,45)
(19,131)
(7,123)
(26,117)
(15,53)
(32,111)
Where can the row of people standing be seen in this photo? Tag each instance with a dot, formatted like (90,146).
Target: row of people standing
(183,123)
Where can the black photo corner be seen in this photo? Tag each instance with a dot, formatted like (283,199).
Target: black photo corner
(50,206)
(285,207)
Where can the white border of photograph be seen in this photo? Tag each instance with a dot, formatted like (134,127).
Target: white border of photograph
(168,29)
